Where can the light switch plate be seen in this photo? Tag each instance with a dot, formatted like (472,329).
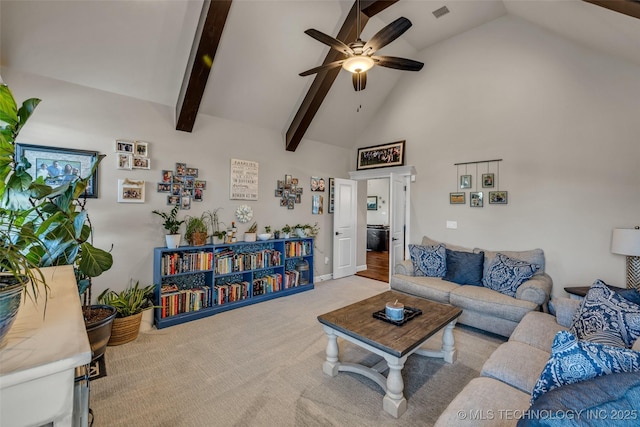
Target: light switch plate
(452,224)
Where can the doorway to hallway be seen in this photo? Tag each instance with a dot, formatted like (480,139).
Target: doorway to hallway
(377,266)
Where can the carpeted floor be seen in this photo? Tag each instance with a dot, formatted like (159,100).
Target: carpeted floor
(262,366)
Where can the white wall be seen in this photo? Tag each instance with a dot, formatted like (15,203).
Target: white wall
(380,189)
(72,116)
(565,120)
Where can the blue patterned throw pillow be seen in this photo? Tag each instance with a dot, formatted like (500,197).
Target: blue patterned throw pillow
(572,361)
(506,274)
(604,315)
(428,261)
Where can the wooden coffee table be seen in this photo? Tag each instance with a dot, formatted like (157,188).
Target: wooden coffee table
(395,344)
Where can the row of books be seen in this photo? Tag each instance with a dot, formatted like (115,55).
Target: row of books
(228,261)
(267,284)
(230,292)
(185,262)
(294,249)
(175,301)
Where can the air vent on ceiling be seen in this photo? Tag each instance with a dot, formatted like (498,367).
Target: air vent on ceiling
(440,12)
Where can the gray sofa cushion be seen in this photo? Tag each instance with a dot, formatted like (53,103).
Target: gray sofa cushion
(431,288)
(483,396)
(564,309)
(490,302)
(537,330)
(516,364)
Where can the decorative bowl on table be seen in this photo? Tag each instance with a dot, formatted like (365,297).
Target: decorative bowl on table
(264,236)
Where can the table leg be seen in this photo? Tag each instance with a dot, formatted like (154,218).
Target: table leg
(331,365)
(394,401)
(449,352)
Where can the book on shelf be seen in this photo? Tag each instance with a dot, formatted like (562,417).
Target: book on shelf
(298,249)
(230,292)
(228,261)
(176,301)
(176,263)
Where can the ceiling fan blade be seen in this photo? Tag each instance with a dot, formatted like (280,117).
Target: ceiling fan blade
(398,63)
(359,81)
(320,68)
(387,35)
(330,41)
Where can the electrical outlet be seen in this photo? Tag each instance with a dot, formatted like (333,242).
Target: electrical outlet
(326,260)
(452,224)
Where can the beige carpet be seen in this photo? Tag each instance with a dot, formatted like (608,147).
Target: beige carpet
(262,366)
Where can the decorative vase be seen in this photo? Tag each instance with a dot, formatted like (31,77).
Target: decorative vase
(173,240)
(98,322)
(125,329)
(10,295)
(286,235)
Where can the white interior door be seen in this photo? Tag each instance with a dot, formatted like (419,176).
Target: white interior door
(397,190)
(345,213)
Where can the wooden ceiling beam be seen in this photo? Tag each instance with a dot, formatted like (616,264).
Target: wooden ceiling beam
(323,81)
(203,51)
(626,7)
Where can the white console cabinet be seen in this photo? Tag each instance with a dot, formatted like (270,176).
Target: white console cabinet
(38,361)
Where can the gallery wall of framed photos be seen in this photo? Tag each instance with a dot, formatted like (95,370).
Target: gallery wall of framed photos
(478,177)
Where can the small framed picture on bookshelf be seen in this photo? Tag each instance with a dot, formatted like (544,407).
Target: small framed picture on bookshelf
(457,198)
(498,197)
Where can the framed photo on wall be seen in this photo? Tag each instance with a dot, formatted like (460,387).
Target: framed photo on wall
(487,180)
(130,191)
(331,194)
(58,166)
(381,156)
(372,203)
(476,199)
(498,197)
(457,198)
(465,181)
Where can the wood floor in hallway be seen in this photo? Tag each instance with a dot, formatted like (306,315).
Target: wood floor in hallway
(377,266)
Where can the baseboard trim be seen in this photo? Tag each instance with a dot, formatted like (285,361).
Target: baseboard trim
(322,278)
(361,267)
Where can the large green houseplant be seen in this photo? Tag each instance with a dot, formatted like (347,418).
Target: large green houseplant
(41,226)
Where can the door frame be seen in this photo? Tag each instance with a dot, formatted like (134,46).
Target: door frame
(409,173)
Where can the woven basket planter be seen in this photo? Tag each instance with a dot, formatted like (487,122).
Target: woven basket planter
(125,329)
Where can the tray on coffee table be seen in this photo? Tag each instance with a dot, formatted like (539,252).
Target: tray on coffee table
(409,313)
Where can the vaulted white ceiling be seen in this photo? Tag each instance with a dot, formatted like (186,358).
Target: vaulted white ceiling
(140,49)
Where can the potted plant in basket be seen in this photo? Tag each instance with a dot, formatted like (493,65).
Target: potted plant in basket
(196,230)
(172,225)
(42,226)
(129,304)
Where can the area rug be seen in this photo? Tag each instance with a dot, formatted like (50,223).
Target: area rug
(97,368)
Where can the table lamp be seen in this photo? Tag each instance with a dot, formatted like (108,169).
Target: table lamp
(626,241)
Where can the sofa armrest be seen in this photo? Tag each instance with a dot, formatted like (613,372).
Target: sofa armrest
(537,290)
(405,267)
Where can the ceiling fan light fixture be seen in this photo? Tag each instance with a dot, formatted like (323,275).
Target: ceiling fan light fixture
(358,64)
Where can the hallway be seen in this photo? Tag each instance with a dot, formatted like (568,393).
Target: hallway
(377,266)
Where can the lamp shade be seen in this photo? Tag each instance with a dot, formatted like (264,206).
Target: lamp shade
(626,241)
(358,64)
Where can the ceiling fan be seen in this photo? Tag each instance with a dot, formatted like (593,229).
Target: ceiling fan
(359,56)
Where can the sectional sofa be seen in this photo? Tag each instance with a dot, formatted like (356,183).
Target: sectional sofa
(501,395)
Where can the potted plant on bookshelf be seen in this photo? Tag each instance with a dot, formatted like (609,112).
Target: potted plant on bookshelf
(286,231)
(172,225)
(129,305)
(266,235)
(250,234)
(217,235)
(196,231)
(299,230)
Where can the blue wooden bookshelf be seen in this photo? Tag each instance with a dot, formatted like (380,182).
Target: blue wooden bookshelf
(193,282)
